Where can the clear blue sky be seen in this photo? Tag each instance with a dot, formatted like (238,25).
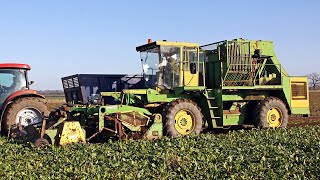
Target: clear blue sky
(59,38)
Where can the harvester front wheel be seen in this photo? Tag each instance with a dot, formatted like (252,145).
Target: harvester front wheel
(183,117)
(272,114)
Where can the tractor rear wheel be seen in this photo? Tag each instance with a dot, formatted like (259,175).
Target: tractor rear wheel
(183,117)
(272,113)
(29,110)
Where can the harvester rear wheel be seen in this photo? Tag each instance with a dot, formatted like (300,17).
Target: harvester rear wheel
(272,113)
(183,117)
(28,109)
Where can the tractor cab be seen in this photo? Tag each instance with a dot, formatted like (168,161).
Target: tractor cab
(167,65)
(13,78)
(19,106)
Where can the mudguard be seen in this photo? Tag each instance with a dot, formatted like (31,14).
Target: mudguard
(16,95)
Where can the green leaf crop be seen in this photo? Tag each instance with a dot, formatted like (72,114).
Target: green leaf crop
(270,154)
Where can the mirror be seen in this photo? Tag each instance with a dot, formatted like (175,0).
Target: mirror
(193,68)
(145,68)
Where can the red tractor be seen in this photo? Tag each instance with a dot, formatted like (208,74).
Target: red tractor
(19,106)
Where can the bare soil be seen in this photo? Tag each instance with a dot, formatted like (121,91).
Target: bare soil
(314,119)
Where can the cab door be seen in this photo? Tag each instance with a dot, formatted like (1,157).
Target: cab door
(190,67)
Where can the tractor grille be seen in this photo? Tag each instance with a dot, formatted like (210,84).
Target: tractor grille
(299,90)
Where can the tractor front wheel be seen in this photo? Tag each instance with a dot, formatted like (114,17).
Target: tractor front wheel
(183,117)
(272,113)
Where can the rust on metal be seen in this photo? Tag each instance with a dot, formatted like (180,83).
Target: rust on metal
(153,105)
(43,128)
(118,128)
(255,97)
(133,118)
(231,111)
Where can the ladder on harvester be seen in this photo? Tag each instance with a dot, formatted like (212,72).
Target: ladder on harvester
(213,107)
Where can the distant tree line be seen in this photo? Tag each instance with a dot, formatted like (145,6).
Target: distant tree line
(51,92)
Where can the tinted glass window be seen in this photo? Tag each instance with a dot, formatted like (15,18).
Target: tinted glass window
(11,80)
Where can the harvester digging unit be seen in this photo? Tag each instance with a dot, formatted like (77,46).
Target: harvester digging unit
(219,85)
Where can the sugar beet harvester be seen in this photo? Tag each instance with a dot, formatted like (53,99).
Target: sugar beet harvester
(219,85)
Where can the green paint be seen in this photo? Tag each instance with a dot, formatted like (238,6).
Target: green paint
(233,119)
(156,130)
(258,87)
(52,133)
(304,111)
(287,89)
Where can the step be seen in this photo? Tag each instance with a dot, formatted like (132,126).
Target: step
(211,98)
(215,117)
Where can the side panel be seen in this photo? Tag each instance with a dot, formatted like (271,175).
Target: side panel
(299,95)
(79,87)
(191,79)
(233,119)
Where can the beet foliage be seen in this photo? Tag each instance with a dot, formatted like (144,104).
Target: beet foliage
(293,153)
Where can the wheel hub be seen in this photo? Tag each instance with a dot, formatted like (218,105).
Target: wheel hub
(274,117)
(184,122)
(28,116)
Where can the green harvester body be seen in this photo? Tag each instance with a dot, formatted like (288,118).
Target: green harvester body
(221,78)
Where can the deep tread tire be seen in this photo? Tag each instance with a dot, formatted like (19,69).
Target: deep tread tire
(265,106)
(173,108)
(9,117)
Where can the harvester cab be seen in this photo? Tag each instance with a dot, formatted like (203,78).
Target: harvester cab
(219,85)
(169,65)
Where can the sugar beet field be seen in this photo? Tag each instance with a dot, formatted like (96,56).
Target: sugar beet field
(242,154)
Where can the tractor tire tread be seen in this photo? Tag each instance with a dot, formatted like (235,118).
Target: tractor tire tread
(13,108)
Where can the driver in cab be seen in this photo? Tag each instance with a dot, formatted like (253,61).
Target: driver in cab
(17,83)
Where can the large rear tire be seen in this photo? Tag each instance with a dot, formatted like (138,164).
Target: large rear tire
(183,117)
(272,113)
(29,109)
